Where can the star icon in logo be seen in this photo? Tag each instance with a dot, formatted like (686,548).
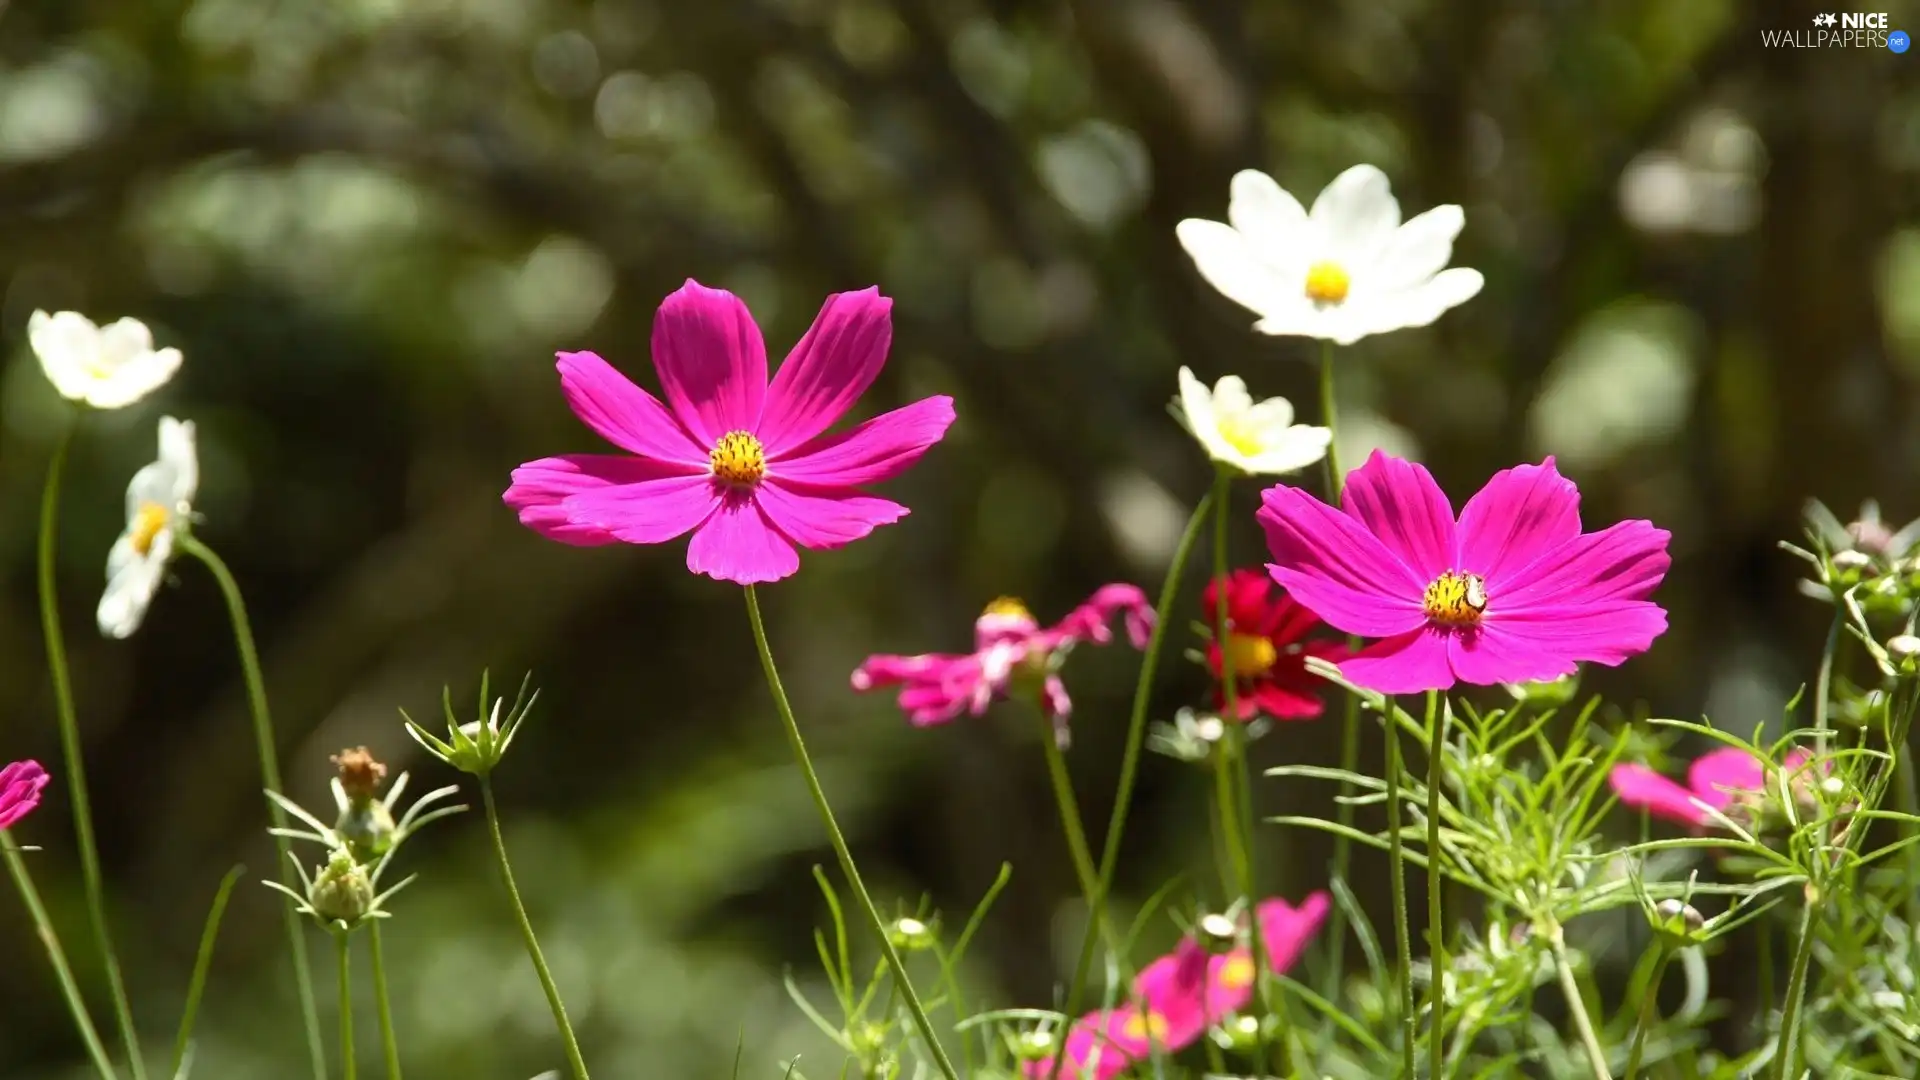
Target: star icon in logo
(1824,20)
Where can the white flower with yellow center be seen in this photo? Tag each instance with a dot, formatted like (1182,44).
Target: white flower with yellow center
(159,504)
(1345,270)
(107,367)
(1256,437)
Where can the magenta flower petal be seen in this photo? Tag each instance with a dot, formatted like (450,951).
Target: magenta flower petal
(824,517)
(829,369)
(649,512)
(1287,930)
(712,361)
(624,414)
(1402,664)
(1398,502)
(20,786)
(1623,562)
(540,488)
(1522,514)
(1330,563)
(738,544)
(1500,652)
(1716,775)
(879,449)
(1603,632)
(1642,788)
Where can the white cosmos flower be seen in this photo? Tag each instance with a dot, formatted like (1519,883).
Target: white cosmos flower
(1258,438)
(1347,269)
(159,504)
(107,367)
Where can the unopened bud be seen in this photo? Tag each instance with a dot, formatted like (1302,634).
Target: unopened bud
(1239,1033)
(342,892)
(1833,786)
(365,822)
(1678,922)
(1033,1045)
(1851,560)
(1903,647)
(1674,909)
(360,774)
(1218,933)
(475,747)
(909,934)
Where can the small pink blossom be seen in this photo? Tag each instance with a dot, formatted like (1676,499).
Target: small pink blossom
(20,786)
(1714,781)
(1008,643)
(744,465)
(1511,592)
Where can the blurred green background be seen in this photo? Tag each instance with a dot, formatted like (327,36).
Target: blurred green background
(369,224)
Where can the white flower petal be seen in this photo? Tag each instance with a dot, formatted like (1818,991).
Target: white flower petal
(178,450)
(1356,214)
(1231,265)
(1418,250)
(1230,397)
(132,579)
(135,379)
(1272,221)
(1202,420)
(122,341)
(1271,417)
(66,343)
(153,483)
(1299,447)
(1424,303)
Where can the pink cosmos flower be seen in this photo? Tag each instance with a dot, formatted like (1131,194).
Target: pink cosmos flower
(1008,643)
(1715,781)
(1177,997)
(20,787)
(1511,592)
(742,464)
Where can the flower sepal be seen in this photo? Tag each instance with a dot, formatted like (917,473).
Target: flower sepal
(476,746)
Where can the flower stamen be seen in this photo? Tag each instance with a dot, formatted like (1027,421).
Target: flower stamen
(147,523)
(1327,283)
(738,459)
(1456,600)
(1237,972)
(1249,654)
(1144,1025)
(1008,607)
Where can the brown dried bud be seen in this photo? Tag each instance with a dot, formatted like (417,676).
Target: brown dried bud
(360,775)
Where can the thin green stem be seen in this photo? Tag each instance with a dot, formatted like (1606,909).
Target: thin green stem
(1069,806)
(1136,737)
(1328,419)
(1786,1052)
(76,765)
(389,1046)
(1436,885)
(1910,806)
(202,962)
(577,1063)
(1649,1004)
(1403,935)
(1823,682)
(264,747)
(839,840)
(343,949)
(1577,1005)
(1350,704)
(69,988)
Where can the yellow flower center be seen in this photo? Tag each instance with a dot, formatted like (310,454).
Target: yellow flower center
(1144,1025)
(1237,972)
(147,523)
(738,458)
(1456,600)
(1007,607)
(1327,283)
(1250,654)
(1240,435)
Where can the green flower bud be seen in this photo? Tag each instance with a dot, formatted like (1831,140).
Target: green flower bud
(1239,1033)
(909,934)
(1034,1044)
(1679,924)
(475,747)
(365,823)
(342,892)
(1218,933)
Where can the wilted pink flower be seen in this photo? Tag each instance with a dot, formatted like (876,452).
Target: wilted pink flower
(1008,643)
(1714,781)
(741,464)
(1177,997)
(20,787)
(1512,592)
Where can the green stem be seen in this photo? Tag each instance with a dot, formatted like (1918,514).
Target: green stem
(1350,704)
(1069,807)
(1403,936)
(574,1060)
(69,988)
(839,840)
(343,949)
(1823,682)
(389,1046)
(1577,1005)
(71,750)
(264,747)
(1910,806)
(1335,478)
(1787,1049)
(1436,885)
(1648,1004)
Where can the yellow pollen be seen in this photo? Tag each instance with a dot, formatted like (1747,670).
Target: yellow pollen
(1240,435)
(1327,283)
(1008,607)
(1250,654)
(738,458)
(1456,600)
(1139,1025)
(1237,972)
(147,523)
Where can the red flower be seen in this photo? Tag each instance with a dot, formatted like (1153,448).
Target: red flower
(1266,647)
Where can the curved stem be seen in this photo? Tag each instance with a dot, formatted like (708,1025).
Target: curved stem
(1136,737)
(840,849)
(574,1060)
(1436,885)
(71,750)
(264,747)
(1823,681)
(1787,1050)
(1648,1005)
(1069,807)
(348,1063)
(57,956)
(1582,1023)
(389,1046)
(1396,861)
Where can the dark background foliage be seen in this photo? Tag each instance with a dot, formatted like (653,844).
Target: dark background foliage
(369,224)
